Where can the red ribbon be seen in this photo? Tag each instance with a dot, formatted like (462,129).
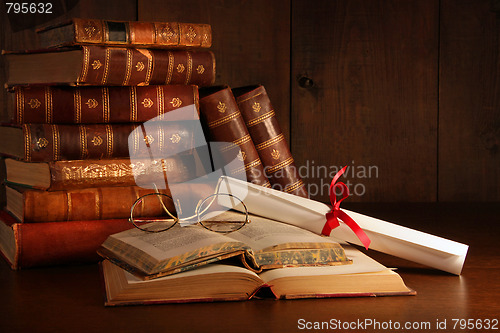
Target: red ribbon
(332,217)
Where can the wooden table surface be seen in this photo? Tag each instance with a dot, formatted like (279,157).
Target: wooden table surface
(69,298)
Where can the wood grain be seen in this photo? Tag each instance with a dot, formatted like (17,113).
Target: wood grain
(469,103)
(251,42)
(372,96)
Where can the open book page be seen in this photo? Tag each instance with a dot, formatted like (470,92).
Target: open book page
(205,270)
(263,234)
(172,247)
(361,263)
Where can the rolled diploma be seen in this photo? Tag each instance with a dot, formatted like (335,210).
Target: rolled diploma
(386,237)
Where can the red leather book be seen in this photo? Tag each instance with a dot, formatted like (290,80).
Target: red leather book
(97,65)
(80,31)
(77,174)
(223,122)
(26,245)
(30,205)
(106,104)
(259,115)
(52,142)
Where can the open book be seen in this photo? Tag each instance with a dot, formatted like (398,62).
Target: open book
(260,244)
(218,282)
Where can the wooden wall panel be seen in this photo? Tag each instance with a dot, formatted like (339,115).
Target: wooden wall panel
(364,94)
(251,41)
(469,104)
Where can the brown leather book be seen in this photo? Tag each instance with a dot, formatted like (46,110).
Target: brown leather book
(112,66)
(259,116)
(223,122)
(77,174)
(26,245)
(51,142)
(80,31)
(30,205)
(106,104)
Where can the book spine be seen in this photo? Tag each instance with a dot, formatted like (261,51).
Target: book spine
(103,203)
(75,174)
(133,33)
(78,105)
(54,243)
(138,67)
(50,142)
(260,119)
(85,204)
(224,123)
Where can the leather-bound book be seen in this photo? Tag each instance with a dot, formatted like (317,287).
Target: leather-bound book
(106,104)
(52,142)
(259,116)
(80,31)
(77,174)
(26,245)
(112,66)
(223,122)
(31,205)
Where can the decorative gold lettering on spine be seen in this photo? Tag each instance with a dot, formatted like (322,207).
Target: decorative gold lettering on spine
(292,187)
(91,29)
(96,140)
(147,102)
(77,102)
(105,104)
(96,64)
(20,105)
(92,103)
(106,66)
(48,105)
(133,104)
(42,143)
(149,139)
(170,72)
(176,102)
(189,67)
(180,68)
(69,206)
(85,65)
(275,154)
(139,66)
(150,67)
(256,107)
(279,166)
(98,197)
(27,142)
(270,142)
(191,34)
(34,103)
(200,69)
(175,138)
(83,141)
(161,102)
(260,119)
(55,142)
(128,69)
(242,155)
(161,138)
(109,141)
(224,120)
(221,107)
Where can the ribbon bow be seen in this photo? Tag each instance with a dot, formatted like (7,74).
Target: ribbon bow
(332,217)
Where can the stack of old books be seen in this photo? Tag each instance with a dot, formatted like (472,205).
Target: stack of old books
(78,115)
(69,179)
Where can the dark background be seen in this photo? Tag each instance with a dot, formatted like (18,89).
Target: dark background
(409,87)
